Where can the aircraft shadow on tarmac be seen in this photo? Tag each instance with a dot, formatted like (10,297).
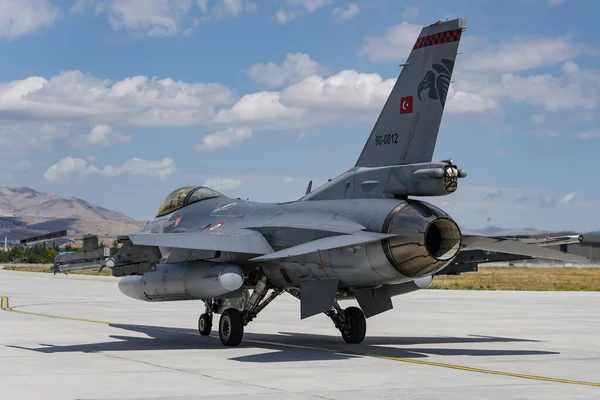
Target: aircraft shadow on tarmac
(309,347)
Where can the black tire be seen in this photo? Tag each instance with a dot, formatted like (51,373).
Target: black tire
(231,327)
(205,324)
(357,325)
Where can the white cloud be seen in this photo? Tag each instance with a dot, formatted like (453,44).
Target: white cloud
(150,17)
(101,136)
(520,55)
(567,92)
(347,90)
(258,108)
(460,101)
(67,167)
(568,198)
(222,184)
(224,138)
(576,89)
(395,44)
(160,169)
(78,167)
(594,134)
(232,8)
(283,17)
(346,12)
(163,17)
(410,13)
(308,5)
(21,17)
(296,8)
(538,118)
(295,67)
(138,100)
(32,134)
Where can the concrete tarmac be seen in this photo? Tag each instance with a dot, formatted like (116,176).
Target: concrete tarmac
(78,337)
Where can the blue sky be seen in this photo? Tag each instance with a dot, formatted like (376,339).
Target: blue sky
(119,102)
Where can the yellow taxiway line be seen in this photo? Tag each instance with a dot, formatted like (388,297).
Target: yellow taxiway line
(6,307)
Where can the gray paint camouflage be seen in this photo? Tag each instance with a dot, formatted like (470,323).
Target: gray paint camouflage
(361,231)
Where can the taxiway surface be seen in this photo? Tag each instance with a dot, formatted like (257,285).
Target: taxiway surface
(78,337)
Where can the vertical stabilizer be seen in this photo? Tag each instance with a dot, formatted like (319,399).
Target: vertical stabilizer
(407,128)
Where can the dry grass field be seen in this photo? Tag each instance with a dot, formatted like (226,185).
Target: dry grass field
(488,278)
(46,269)
(522,278)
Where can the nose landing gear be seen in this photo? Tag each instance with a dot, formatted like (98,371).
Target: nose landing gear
(205,324)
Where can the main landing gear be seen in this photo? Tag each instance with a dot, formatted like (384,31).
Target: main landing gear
(236,314)
(351,322)
(233,320)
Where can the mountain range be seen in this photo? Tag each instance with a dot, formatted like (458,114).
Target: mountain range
(27,202)
(28,212)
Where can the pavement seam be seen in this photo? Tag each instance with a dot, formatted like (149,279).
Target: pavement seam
(6,307)
(189,372)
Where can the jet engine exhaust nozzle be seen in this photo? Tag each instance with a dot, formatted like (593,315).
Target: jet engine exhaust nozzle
(427,239)
(442,239)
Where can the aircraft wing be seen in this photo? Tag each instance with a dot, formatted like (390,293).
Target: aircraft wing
(239,241)
(516,247)
(547,241)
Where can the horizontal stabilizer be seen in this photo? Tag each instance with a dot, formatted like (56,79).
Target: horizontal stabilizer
(327,243)
(242,241)
(549,241)
(509,246)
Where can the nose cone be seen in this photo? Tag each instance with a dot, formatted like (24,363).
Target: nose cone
(132,286)
(231,278)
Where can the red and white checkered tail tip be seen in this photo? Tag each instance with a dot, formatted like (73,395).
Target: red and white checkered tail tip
(440,33)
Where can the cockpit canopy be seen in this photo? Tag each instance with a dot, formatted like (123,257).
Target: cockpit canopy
(185,196)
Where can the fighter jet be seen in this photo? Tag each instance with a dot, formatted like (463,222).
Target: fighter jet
(365,235)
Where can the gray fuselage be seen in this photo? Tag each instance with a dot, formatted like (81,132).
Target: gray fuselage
(404,258)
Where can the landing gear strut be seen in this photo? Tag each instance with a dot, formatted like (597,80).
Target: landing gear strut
(233,320)
(351,322)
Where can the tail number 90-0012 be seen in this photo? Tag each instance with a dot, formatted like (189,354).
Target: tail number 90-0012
(390,138)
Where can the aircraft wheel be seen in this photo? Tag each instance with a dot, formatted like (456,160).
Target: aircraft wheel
(205,324)
(356,327)
(231,327)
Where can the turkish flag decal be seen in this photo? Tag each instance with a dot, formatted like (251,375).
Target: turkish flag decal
(406,105)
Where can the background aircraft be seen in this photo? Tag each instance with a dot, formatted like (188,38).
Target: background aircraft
(361,236)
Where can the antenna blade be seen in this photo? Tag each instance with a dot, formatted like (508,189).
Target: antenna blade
(309,188)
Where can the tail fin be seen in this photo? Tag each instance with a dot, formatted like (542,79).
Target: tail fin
(407,128)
